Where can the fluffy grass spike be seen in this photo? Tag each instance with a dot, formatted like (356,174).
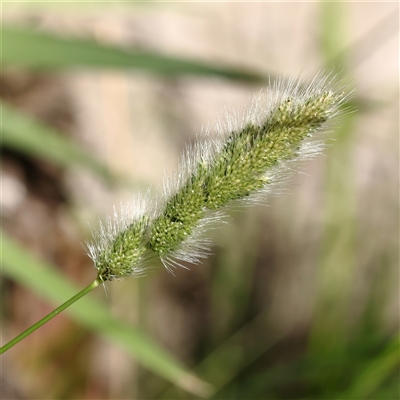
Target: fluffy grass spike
(252,152)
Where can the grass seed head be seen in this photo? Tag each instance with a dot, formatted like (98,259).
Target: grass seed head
(253,152)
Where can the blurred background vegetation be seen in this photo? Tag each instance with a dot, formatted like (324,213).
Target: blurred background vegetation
(300,299)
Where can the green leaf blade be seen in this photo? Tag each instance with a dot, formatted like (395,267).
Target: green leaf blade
(29,49)
(27,135)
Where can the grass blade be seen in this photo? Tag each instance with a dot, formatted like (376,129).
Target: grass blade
(27,135)
(29,49)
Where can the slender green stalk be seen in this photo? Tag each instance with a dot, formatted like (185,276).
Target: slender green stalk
(48,317)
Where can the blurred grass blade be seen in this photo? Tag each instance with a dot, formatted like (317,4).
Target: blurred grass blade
(29,49)
(337,260)
(376,372)
(333,32)
(47,282)
(234,274)
(228,360)
(27,135)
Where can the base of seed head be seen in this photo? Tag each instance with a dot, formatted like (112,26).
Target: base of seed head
(119,246)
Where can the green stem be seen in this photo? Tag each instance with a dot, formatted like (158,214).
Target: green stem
(48,317)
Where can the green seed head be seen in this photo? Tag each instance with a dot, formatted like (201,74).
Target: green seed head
(252,154)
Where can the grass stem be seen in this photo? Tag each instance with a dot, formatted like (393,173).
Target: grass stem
(48,317)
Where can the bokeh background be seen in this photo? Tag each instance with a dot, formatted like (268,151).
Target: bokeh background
(300,299)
